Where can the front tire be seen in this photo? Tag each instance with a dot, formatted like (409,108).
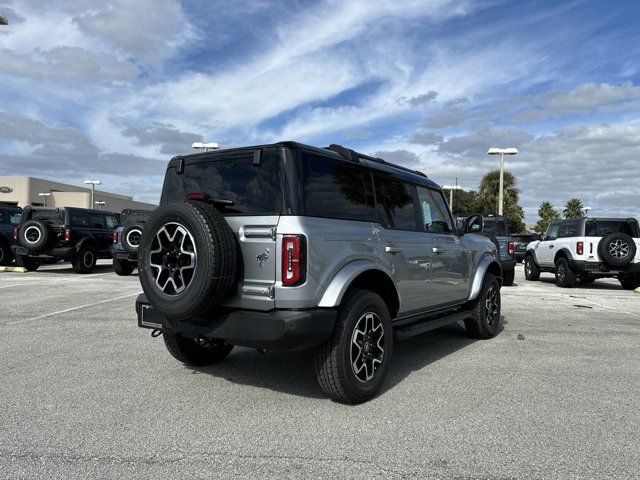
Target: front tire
(531,270)
(352,365)
(85,260)
(187,351)
(5,254)
(565,276)
(123,268)
(629,282)
(485,320)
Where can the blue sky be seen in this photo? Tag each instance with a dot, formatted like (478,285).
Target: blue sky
(113,89)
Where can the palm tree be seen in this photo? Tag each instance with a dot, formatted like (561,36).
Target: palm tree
(547,214)
(488,191)
(573,209)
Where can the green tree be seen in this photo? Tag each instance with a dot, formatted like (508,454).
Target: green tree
(488,195)
(573,209)
(463,201)
(547,214)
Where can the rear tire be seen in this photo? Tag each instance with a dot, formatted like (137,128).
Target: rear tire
(485,319)
(123,268)
(531,270)
(85,260)
(508,277)
(565,276)
(5,254)
(187,351)
(629,282)
(31,264)
(352,365)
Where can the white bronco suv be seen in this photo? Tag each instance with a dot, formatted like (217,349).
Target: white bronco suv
(586,249)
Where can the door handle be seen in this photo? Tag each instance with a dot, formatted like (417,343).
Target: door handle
(550,246)
(392,249)
(438,250)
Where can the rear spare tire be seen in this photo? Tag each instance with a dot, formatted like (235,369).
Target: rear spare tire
(131,238)
(34,235)
(186,259)
(617,249)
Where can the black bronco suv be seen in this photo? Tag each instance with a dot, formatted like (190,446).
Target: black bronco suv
(9,219)
(78,235)
(126,240)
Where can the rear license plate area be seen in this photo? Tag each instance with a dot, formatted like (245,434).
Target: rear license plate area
(149,317)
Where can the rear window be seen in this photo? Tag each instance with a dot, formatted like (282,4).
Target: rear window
(495,227)
(11,217)
(56,216)
(252,189)
(599,228)
(134,217)
(336,189)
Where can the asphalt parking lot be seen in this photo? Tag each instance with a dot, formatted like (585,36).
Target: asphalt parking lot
(86,394)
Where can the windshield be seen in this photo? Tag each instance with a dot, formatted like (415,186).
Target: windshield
(599,228)
(134,217)
(245,187)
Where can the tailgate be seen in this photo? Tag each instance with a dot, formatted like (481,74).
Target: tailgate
(256,236)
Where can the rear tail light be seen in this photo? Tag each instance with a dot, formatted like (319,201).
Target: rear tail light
(15,234)
(512,248)
(580,248)
(294,267)
(115,237)
(67,234)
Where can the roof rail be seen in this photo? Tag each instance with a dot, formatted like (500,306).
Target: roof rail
(354,156)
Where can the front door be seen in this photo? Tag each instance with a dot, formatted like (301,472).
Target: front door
(449,257)
(546,249)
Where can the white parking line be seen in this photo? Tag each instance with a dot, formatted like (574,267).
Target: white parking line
(61,280)
(40,317)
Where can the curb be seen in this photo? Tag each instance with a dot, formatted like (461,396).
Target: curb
(13,269)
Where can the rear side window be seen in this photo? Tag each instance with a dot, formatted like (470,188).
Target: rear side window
(97,221)
(80,219)
(253,189)
(336,189)
(495,226)
(396,203)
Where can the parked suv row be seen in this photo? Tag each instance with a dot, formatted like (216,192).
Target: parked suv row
(78,235)
(586,249)
(288,246)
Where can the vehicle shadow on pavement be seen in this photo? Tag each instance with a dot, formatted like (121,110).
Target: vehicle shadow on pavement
(579,286)
(66,269)
(292,372)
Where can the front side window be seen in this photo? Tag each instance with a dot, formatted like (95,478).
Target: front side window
(244,186)
(336,189)
(552,232)
(396,203)
(435,214)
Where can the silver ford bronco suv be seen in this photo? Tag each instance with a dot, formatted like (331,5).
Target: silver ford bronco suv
(289,247)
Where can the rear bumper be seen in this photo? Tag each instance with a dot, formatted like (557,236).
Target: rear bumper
(59,252)
(272,330)
(598,268)
(123,255)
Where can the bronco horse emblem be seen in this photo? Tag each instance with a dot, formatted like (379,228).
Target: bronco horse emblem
(262,257)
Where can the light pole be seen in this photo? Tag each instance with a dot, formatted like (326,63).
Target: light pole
(585,210)
(45,195)
(101,203)
(93,184)
(205,146)
(451,188)
(502,152)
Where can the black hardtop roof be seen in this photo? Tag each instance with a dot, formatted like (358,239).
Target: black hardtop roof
(485,215)
(60,209)
(333,150)
(602,219)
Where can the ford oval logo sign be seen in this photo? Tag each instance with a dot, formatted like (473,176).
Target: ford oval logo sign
(6,189)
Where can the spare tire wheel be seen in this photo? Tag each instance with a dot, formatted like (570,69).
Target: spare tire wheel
(34,235)
(186,259)
(616,249)
(131,238)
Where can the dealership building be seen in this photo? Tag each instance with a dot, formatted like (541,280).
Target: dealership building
(25,191)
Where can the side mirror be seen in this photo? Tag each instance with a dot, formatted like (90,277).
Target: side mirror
(474,224)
